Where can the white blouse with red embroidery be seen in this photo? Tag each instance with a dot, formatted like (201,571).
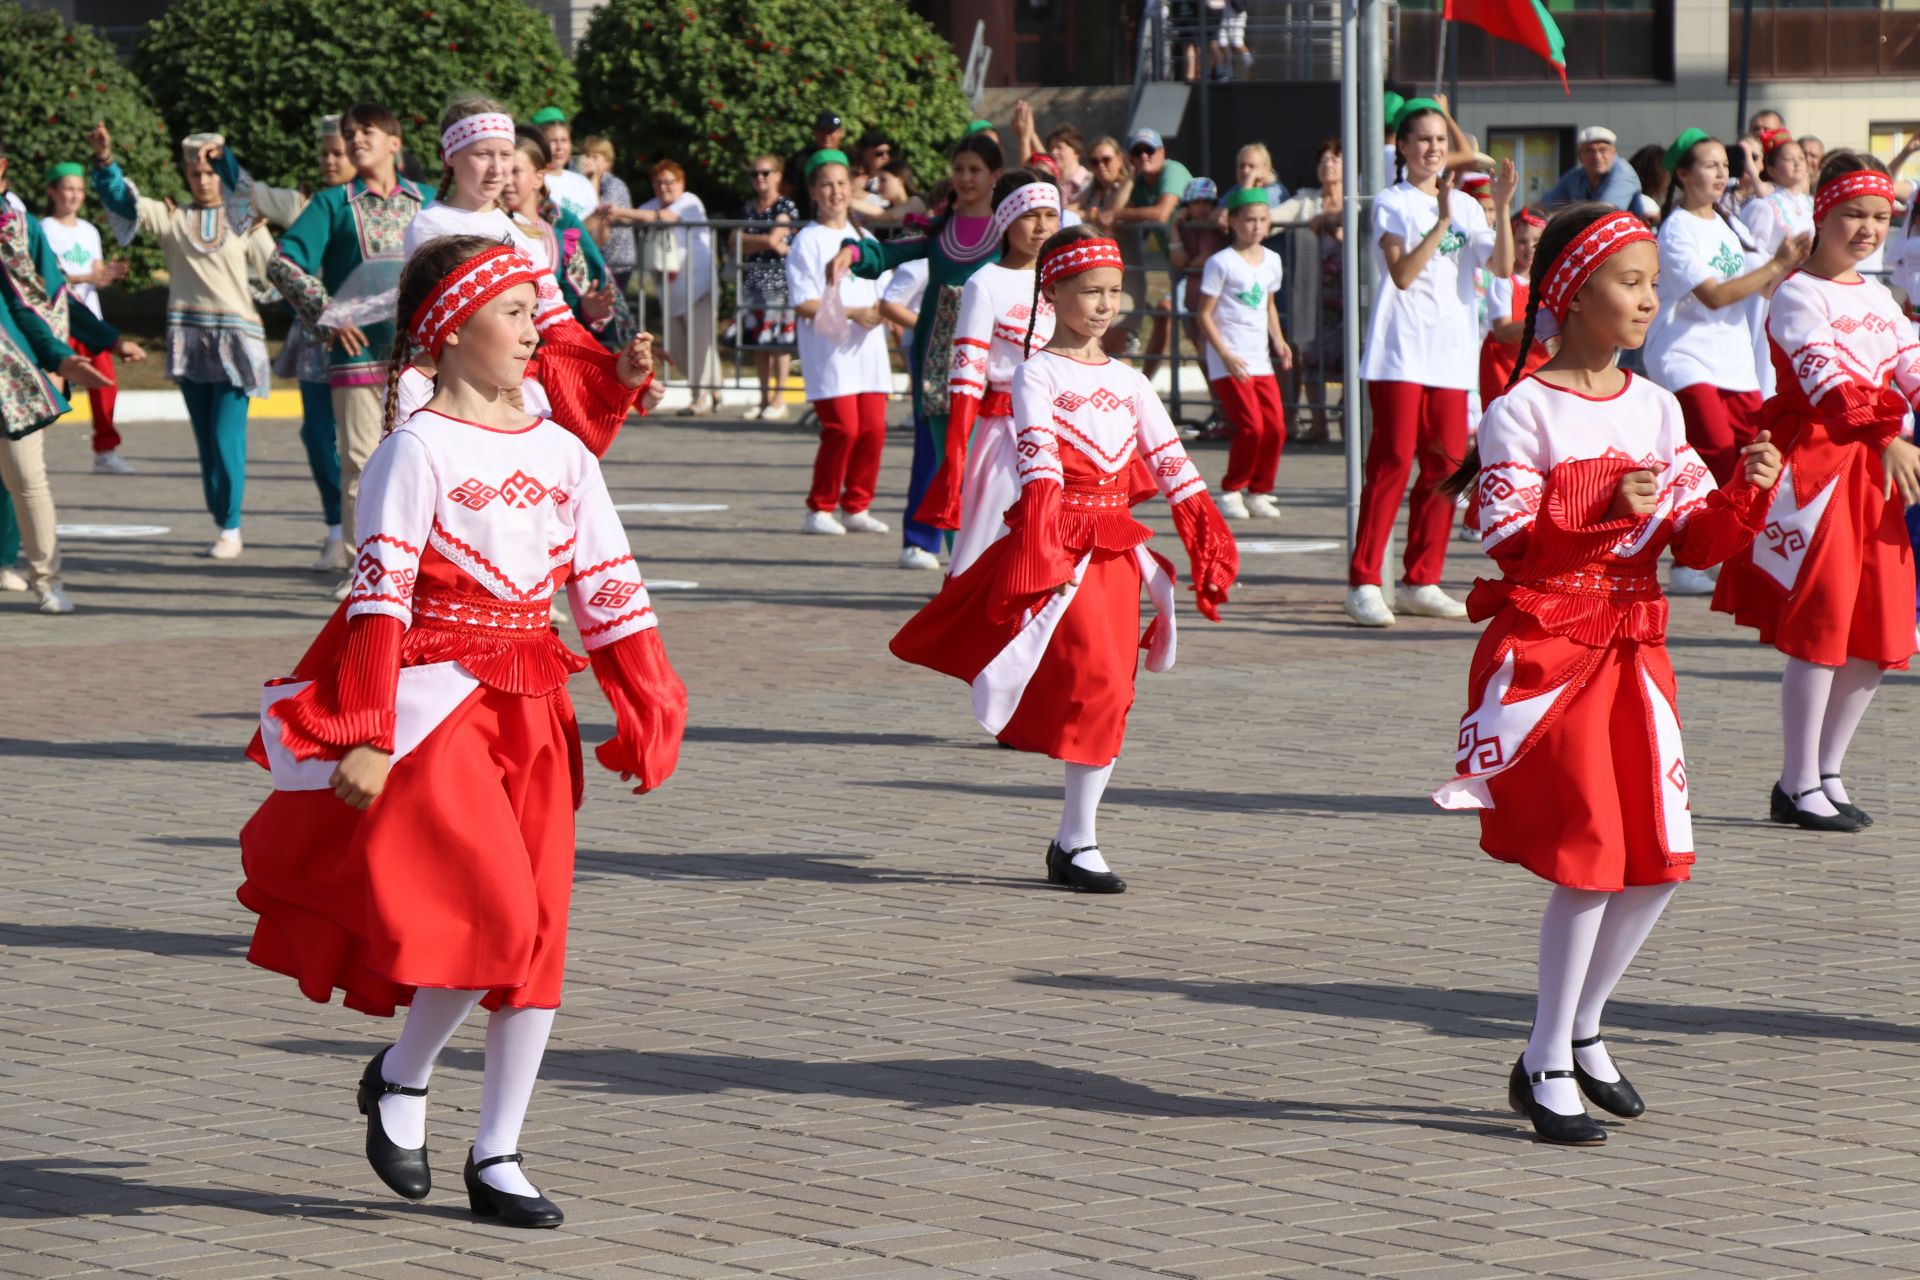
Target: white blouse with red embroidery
(1831,333)
(1535,427)
(517,511)
(1105,412)
(990,335)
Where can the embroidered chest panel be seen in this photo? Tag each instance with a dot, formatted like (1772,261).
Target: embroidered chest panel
(380,223)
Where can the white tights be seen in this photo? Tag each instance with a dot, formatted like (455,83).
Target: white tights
(516,1042)
(1820,707)
(1086,783)
(1588,937)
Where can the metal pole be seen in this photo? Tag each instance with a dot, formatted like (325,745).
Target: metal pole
(1352,152)
(1439,50)
(1453,75)
(1746,62)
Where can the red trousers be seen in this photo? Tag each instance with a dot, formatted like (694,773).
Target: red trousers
(1409,420)
(847,466)
(105,438)
(1719,425)
(1259,431)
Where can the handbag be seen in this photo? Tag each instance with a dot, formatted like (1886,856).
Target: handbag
(662,252)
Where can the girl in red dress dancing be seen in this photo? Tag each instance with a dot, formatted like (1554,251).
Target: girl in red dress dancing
(1045,624)
(1570,747)
(418,846)
(1830,582)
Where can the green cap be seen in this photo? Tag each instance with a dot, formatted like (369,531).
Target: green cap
(1391,105)
(549,115)
(65,169)
(829,156)
(1686,142)
(1244,196)
(1410,106)
(977,126)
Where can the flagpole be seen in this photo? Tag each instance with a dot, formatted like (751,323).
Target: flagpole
(1439,50)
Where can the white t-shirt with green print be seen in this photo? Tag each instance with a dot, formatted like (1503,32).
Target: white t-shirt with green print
(1246,290)
(1690,342)
(78,247)
(1428,333)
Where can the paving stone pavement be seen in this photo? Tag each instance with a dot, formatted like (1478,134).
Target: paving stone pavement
(825,1020)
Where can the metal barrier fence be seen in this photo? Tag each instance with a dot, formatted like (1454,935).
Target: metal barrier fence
(703,312)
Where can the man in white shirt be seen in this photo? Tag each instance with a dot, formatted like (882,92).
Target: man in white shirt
(571,191)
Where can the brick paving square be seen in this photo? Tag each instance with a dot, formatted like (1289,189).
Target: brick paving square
(824,1019)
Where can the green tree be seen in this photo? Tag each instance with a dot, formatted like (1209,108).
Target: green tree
(710,83)
(56,82)
(263,74)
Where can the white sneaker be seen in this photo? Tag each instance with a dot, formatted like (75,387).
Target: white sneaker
(754,413)
(1368,607)
(1263,505)
(822,522)
(333,556)
(1232,505)
(54,600)
(11,579)
(1682,581)
(861,522)
(110,463)
(918,558)
(1429,601)
(226,546)
(775,412)
(344,590)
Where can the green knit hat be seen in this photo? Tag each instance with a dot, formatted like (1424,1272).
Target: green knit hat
(977,126)
(1686,142)
(1244,196)
(828,156)
(1391,104)
(549,115)
(65,169)
(1410,106)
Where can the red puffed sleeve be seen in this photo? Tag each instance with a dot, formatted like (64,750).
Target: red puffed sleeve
(941,506)
(649,708)
(1211,550)
(1572,528)
(1038,561)
(582,382)
(1718,523)
(351,705)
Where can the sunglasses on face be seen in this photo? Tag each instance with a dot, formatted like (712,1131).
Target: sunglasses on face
(1105,159)
(1140,153)
(764,173)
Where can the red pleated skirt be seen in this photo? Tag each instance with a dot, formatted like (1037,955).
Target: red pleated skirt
(458,876)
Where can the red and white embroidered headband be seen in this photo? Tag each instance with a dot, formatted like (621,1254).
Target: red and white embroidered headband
(467,130)
(1081,255)
(1022,201)
(469,287)
(1850,186)
(1579,260)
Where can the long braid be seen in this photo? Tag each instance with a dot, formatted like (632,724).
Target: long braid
(1526,338)
(1034,314)
(396,365)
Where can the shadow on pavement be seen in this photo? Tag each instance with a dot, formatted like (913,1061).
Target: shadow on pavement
(1181,797)
(169,752)
(91,937)
(51,1187)
(1486,1014)
(824,867)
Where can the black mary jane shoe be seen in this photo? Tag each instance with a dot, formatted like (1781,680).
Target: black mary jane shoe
(1060,870)
(1569,1131)
(510,1209)
(1785,809)
(1616,1097)
(404,1169)
(1853,811)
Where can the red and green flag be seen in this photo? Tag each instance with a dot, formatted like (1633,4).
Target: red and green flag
(1523,22)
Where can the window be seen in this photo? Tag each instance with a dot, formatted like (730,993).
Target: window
(1605,40)
(1827,39)
(1536,158)
(1888,140)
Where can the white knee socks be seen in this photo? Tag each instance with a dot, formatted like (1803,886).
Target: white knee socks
(1853,689)
(516,1041)
(1629,918)
(1568,928)
(1806,689)
(431,1021)
(1085,785)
